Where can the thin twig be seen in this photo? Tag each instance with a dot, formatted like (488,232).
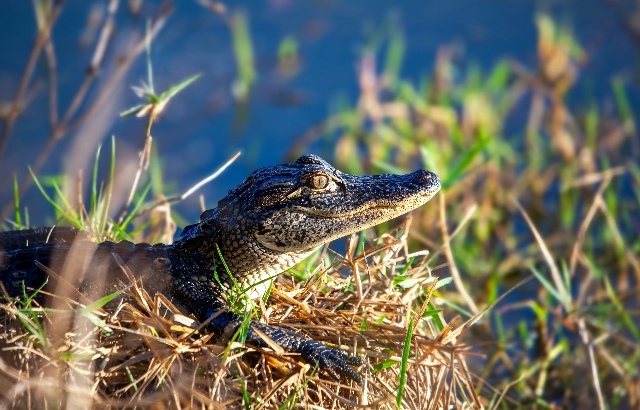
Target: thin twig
(204,181)
(94,66)
(595,177)
(16,107)
(63,128)
(618,236)
(585,224)
(584,335)
(141,167)
(555,273)
(52,66)
(123,66)
(190,190)
(455,274)
(467,216)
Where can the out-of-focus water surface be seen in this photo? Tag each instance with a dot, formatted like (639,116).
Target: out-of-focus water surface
(203,126)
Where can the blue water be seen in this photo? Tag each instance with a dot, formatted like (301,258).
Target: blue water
(203,126)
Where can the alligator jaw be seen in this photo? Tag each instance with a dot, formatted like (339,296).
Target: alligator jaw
(307,222)
(276,216)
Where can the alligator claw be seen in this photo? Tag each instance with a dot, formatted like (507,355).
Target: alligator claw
(330,359)
(327,358)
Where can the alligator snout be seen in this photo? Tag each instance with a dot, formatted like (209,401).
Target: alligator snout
(428,180)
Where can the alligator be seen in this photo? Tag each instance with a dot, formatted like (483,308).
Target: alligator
(277,217)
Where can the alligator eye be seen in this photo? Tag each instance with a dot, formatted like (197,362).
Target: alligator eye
(317,181)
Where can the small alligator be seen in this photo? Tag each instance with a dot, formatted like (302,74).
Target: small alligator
(274,219)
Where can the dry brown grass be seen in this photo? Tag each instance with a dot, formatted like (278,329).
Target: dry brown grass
(147,357)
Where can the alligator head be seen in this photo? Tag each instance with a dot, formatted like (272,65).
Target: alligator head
(280,214)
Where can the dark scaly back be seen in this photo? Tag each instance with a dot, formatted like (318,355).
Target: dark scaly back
(91,267)
(14,239)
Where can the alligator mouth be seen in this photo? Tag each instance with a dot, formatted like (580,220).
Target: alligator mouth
(398,208)
(411,201)
(429,194)
(358,211)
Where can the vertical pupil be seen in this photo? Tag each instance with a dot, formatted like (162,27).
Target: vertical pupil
(318,181)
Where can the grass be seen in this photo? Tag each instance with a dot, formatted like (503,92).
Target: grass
(537,253)
(136,353)
(556,197)
(147,357)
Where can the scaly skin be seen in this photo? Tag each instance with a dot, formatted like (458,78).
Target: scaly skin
(274,219)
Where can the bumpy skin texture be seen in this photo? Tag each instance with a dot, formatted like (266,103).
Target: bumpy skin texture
(274,219)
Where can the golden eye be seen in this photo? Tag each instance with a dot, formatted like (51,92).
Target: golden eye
(318,181)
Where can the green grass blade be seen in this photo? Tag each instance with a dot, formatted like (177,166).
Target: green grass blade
(27,300)
(147,46)
(177,88)
(404,364)
(16,201)
(131,378)
(499,77)
(626,318)
(107,200)
(243,50)
(383,365)
(453,176)
(547,285)
(136,207)
(141,228)
(121,233)
(622,102)
(132,111)
(101,302)
(265,298)
(292,400)
(53,203)
(565,274)
(363,325)
(455,306)
(98,322)
(94,182)
(395,55)
(236,336)
(33,327)
(245,395)
(66,203)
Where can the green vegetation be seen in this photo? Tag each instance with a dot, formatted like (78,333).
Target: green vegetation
(243,50)
(535,233)
(556,197)
(402,380)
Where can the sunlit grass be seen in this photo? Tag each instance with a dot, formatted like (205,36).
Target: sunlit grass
(554,195)
(571,169)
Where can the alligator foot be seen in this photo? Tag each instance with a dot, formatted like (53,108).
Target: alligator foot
(328,359)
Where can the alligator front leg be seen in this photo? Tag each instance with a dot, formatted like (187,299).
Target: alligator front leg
(199,298)
(327,358)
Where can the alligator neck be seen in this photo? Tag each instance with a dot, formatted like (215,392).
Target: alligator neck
(228,249)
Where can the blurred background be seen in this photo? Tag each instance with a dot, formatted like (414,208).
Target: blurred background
(512,103)
(299,63)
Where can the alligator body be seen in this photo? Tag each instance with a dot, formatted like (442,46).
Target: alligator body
(274,219)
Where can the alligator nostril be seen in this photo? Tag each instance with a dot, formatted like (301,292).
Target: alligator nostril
(428,179)
(424,175)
